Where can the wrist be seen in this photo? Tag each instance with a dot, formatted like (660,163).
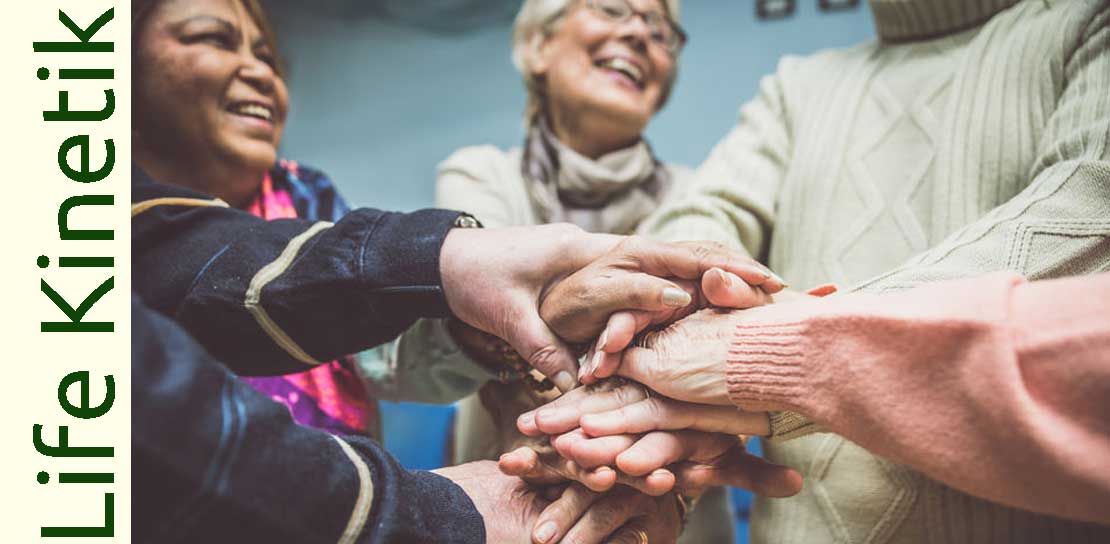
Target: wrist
(454,258)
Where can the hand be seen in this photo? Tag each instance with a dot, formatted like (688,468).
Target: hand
(689,460)
(654,282)
(495,280)
(542,465)
(580,515)
(617,407)
(583,512)
(509,506)
(688,360)
(617,411)
(624,292)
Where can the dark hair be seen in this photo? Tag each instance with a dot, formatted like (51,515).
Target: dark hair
(141,11)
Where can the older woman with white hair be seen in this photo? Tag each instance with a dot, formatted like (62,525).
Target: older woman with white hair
(596,72)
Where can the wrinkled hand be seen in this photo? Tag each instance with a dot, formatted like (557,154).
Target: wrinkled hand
(641,283)
(638,275)
(688,360)
(509,506)
(580,515)
(545,509)
(502,280)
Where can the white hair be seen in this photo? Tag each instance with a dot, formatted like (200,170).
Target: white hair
(539,19)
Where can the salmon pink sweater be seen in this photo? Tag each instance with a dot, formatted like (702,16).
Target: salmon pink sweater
(994,386)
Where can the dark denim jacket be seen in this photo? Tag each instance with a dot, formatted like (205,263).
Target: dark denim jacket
(213,461)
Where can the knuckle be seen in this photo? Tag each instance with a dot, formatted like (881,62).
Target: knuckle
(563,234)
(563,510)
(607,510)
(655,408)
(544,358)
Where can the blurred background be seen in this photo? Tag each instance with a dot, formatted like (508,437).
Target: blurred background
(383,90)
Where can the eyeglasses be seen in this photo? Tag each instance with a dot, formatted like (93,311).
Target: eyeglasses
(662,30)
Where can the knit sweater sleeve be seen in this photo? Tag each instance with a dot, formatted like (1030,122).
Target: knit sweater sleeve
(994,386)
(1059,225)
(731,198)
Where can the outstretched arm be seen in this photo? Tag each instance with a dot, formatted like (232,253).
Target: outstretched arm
(994,386)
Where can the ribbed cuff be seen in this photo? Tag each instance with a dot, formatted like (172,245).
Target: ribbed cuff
(766,372)
(789,425)
(765,366)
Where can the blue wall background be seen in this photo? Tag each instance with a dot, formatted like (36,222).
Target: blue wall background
(377,104)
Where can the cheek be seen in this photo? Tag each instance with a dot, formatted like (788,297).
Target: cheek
(588,32)
(182,86)
(664,67)
(281,99)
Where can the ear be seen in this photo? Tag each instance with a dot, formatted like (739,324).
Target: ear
(536,54)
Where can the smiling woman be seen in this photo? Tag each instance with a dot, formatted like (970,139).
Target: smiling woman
(210,107)
(207,85)
(596,73)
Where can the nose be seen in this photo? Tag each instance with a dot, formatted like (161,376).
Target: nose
(257,73)
(635,32)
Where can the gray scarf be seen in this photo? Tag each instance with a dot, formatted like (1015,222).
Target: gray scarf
(611,194)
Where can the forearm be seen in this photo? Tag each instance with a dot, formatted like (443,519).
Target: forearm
(732,197)
(992,386)
(1059,222)
(201,433)
(288,292)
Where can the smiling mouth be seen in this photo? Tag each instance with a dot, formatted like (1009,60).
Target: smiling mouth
(625,68)
(252,109)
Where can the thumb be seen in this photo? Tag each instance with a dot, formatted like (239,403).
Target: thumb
(726,290)
(534,341)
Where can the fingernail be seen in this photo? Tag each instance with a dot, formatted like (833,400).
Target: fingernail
(564,381)
(527,419)
(725,277)
(675,297)
(596,363)
(601,340)
(546,531)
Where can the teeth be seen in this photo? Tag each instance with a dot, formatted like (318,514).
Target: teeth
(623,66)
(254,110)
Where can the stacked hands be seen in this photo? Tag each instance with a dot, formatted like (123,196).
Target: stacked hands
(621,457)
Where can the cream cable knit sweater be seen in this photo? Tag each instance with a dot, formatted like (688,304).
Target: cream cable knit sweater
(972,137)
